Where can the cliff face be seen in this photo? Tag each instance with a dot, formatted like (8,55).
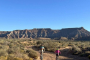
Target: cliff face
(70,33)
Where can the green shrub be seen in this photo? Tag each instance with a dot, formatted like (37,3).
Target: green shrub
(51,45)
(39,42)
(32,53)
(11,51)
(5,47)
(11,45)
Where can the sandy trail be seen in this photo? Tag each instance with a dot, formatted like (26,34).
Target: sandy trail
(52,56)
(63,56)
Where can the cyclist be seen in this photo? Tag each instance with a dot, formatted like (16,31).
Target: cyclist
(57,53)
(41,50)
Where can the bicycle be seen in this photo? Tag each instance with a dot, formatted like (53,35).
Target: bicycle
(57,54)
(57,57)
(41,57)
(42,50)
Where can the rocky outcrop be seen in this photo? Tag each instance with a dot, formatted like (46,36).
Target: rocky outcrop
(67,33)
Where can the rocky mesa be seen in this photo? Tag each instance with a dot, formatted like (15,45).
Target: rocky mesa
(69,33)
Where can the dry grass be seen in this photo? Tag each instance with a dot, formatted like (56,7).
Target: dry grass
(16,47)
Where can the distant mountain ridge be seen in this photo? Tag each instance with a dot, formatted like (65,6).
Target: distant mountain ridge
(69,33)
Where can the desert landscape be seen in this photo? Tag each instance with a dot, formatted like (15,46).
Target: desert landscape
(24,44)
(36,29)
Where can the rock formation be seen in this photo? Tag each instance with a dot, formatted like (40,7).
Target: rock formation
(67,33)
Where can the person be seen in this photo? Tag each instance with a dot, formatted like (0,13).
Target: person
(41,50)
(57,53)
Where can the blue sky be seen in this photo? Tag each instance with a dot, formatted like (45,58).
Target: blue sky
(54,14)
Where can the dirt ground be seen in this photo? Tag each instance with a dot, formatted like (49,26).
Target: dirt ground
(64,55)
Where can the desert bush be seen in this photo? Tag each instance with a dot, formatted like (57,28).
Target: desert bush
(14,58)
(52,49)
(88,48)
(82,46)
(11,55)
(4,47)
(32,53)
(22,51)
(3,52)
(14,49)
(64,45)
(11,45)
(51,45)
(11,51)
(39,42)
(22,47)
(10,58)
(18,55)
(30,59)
(3,58)
(76,50)
(89,56)
(87,53)
(82,54)
(70,44)
(25,56)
